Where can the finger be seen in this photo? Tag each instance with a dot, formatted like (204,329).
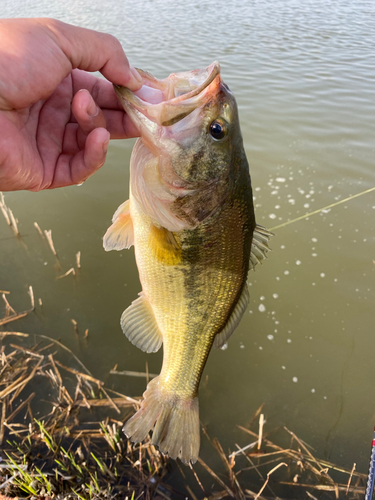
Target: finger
(94,51)
(76,169)
(100,89)
(88,115)
(119,126)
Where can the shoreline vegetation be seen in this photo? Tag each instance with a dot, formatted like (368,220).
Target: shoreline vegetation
(70,452)
(61,433)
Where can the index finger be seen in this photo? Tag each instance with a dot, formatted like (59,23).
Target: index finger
(100,89)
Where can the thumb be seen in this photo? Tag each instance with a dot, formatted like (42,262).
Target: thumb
(95,51)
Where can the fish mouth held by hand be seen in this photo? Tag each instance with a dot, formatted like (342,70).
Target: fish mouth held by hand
(177,118)
(167,101)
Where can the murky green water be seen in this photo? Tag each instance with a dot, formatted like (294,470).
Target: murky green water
(304,79)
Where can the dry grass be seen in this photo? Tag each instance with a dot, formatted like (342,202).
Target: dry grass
(71,452)
(57,454)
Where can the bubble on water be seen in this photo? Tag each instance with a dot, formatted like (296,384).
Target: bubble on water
(280,179)
(335,280)
(289,340)
(242,346)
(283,367)
(257,188)
(322,275)
(262,308)
(306,205)
(277,278)
(274,192)
(286,272)
(45,263)
(314,254)
(282,247)
(260,348)
(277,207)
(313,390)
(292,201)
(314,240)
(298,262)
(270,337)
(331,187)
(324,397)
(224,347)
(262,297)
(313,284)
(272,216)
(275,295)
(326,211)
(295,379)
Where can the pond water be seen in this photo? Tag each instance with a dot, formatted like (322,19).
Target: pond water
(304,79)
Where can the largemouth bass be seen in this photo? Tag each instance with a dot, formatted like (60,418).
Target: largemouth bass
(191,220)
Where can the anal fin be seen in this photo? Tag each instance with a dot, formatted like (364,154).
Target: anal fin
(139,325)
(234,319)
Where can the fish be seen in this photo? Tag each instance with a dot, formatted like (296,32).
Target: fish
(190,218)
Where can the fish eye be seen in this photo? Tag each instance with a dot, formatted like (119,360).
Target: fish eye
(218,130)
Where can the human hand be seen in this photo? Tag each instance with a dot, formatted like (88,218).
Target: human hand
(56,118)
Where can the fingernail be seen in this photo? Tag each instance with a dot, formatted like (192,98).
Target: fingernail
(136,75)
(92,109)
(105,144)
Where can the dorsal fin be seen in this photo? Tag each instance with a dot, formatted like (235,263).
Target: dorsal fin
(120,234)
(259,247)
(234,319)
(139,325)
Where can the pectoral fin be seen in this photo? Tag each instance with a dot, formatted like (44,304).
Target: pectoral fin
(234,319)
(121,234)
(164,246)
(259,247)
(139,325)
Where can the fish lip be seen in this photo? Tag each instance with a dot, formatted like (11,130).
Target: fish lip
(168,111)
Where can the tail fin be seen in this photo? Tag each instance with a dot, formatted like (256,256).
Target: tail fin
(176,423)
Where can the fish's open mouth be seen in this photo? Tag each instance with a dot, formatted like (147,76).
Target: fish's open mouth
(165,102)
